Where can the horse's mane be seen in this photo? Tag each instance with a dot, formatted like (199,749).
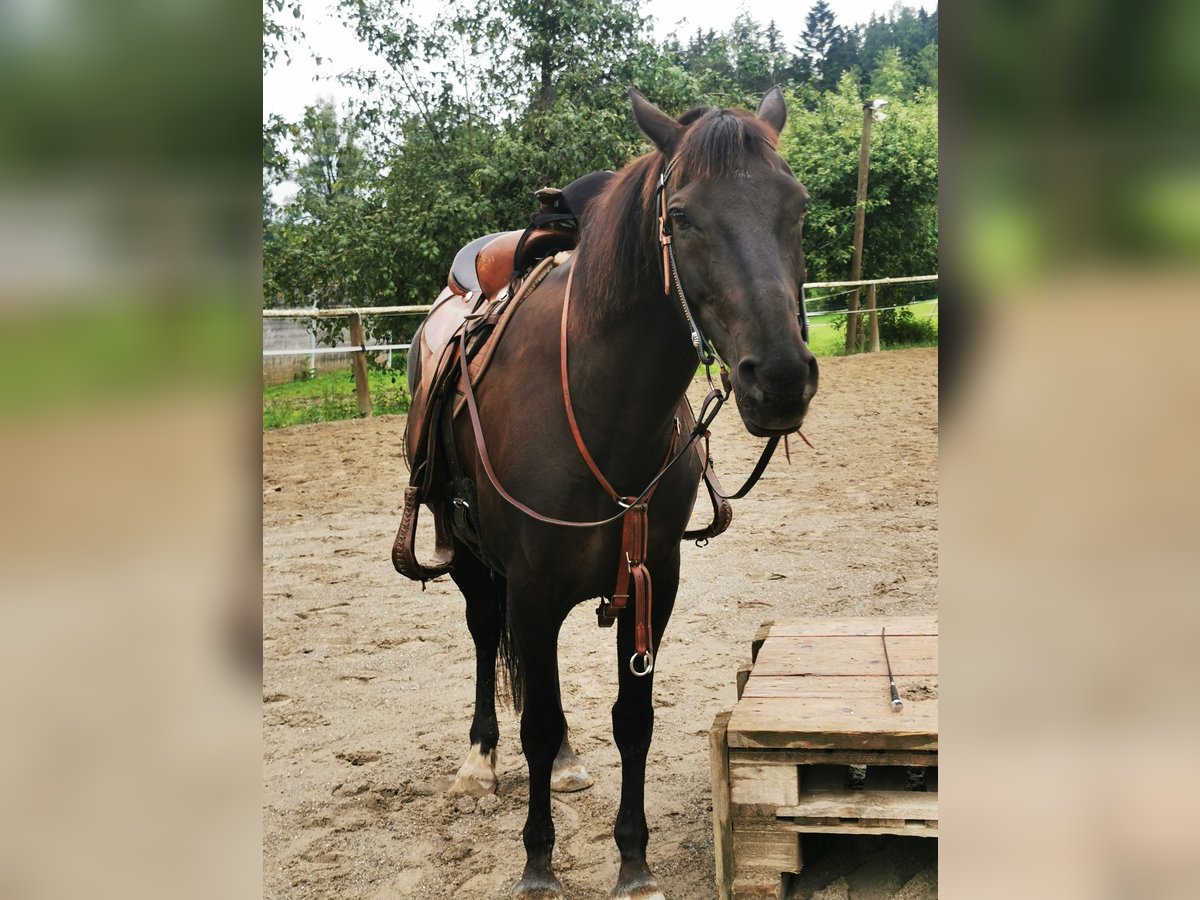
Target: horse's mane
(618,250)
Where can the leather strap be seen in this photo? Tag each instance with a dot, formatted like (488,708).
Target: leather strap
(566,390)
(634,582)
(722,510)
(485,459)
(759,468)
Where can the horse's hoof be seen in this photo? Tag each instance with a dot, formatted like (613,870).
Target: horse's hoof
(477,775)
(569,773)
(642,888)
(538,887)
(569,778)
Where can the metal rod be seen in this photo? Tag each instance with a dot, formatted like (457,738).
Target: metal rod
(897,703)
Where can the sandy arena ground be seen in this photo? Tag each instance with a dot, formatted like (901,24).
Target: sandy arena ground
(368,682)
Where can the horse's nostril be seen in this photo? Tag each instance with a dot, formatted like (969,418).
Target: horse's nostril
(747,377)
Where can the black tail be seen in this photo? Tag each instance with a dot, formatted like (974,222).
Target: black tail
(511,682)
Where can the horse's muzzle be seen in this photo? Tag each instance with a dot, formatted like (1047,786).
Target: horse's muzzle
(773,398)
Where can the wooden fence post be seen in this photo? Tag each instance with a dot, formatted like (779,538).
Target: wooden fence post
(358,360)
(853,316)
(873,316)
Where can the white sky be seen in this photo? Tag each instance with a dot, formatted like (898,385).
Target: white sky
(289,87)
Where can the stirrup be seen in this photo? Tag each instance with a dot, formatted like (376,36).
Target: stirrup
(404,555)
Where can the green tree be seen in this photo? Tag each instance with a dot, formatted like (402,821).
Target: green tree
(494,99)
(890,78)
(910,32)
(829,49)
(822,144)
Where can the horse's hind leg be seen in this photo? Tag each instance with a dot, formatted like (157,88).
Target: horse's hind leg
(633,727)
(569,773)
(485,619)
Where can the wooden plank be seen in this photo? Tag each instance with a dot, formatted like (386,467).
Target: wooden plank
(339,312)
(752,784)
(865,626)
(918,805)
(718,755)
(847,655)
(859,687)
(761,635)
(743,675)
(772,850)
(910,829)
(885,778)
(922,758)
(757,790)
(759,886)
(832,724)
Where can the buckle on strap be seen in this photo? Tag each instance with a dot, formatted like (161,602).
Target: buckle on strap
(647,660)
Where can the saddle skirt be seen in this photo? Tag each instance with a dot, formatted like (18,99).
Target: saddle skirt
(470,321)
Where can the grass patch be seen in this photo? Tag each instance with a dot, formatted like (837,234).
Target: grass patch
(825,339)
(330,396)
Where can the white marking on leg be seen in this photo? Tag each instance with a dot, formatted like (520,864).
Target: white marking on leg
(477,774)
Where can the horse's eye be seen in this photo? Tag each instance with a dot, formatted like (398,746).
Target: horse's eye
(679,217)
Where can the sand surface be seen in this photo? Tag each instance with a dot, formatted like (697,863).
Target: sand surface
(368,681)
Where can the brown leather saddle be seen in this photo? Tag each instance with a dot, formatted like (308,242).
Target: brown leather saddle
(488,279)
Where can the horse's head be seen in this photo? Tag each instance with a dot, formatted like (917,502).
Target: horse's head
(734,213)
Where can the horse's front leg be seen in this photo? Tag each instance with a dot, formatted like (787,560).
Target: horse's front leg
(633,727)
(534,626)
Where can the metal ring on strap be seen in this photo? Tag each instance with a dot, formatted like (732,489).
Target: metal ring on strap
(647,659)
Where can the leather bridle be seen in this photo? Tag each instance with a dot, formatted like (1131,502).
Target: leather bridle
(705,351)
(633,578)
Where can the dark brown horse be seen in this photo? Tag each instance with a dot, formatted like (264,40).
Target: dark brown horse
(734,212)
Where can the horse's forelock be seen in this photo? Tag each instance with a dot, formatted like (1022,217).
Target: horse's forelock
(721,142)
(619,247)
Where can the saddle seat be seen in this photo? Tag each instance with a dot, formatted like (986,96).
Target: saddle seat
(487,269)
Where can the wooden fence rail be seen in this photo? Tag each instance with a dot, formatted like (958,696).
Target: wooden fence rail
(359,350)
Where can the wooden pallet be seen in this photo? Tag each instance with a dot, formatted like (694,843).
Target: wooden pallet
(812,745)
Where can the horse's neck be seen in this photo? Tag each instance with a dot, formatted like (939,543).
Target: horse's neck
(629,369)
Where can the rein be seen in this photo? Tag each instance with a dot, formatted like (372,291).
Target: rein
(633,578)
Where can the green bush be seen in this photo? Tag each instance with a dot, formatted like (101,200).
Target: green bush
(901,326)
(897,328)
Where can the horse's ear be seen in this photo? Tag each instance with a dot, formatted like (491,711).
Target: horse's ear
(773,110)
(662,130)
